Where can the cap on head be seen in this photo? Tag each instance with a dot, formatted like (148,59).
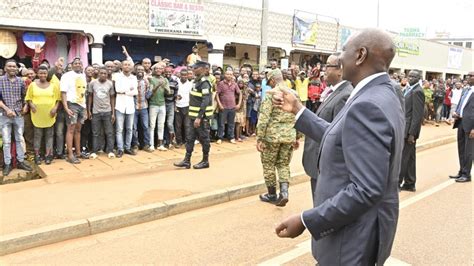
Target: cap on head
(200,64)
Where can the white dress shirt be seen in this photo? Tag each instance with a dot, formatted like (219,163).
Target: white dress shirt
(126,88)
(364,82)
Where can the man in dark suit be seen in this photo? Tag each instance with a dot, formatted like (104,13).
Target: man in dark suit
(334,100)
(464,122)
(414,109)
(356,213)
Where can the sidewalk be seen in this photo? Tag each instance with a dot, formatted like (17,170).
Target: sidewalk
(81,192)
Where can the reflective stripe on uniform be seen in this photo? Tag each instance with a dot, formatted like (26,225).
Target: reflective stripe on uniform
(195,93)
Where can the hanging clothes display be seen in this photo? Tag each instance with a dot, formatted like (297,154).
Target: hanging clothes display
(50,49)
(62,43)
(79,47)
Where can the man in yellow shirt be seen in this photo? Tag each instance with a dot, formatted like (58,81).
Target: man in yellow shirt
(301,85)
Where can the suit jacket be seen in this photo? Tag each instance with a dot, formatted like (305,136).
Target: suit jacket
(467,121)
(356,213)
(327,111)
(414,111)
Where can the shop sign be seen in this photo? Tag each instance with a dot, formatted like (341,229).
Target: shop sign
(407,47)
(412,33)
(31,39)
(176,17)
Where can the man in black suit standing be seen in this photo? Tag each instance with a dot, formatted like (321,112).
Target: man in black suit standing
(356,201)
(414,108)
(335,98)
(464,122)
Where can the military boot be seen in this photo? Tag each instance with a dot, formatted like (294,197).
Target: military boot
(270,197)
(186,163)
(283,198)
(204,163)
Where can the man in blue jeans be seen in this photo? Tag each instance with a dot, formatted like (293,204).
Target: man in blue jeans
(126,88)
(12,95)
(226,101)
(141,111)
(170,99)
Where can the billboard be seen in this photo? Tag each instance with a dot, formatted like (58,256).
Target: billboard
(176,17)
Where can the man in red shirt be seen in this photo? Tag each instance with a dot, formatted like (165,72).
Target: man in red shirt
(227,90)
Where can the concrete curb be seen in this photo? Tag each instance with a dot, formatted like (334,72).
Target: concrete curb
(56,233)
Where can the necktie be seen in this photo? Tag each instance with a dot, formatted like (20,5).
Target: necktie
(329,91)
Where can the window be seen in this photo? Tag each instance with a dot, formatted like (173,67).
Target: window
(468,44)
(458,43)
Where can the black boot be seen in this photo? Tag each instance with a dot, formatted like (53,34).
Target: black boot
(270,197)
(204,163)
(186,163)
(7,168)
(283,199)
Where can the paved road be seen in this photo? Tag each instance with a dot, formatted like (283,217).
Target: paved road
(435,227)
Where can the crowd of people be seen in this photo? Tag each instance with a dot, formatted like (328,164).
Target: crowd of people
(441,97)
(68,111)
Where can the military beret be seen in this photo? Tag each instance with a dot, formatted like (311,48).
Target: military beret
(274,73)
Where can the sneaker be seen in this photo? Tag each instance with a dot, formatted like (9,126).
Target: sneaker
(7,168)
(152,149)
(38,159)
(93,156)
(147,148)
(219,141)
(130,152)
(135,148)
(119,154)
(196,142)
(111,155)
(48,159)
(162,148)
(233,141)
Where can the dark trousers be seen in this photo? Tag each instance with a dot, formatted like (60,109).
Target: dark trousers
(102,122)
(48,134)
(141,134)
(59,130)
(86,136)
(408,167)
(182,125)
(202,134)
(226,115)
(465,149)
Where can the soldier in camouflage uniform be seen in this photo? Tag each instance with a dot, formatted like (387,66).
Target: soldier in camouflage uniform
(276,140)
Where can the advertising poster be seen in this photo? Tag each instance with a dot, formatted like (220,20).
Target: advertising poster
(176,17)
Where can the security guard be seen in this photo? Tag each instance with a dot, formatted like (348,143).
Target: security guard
(200,113)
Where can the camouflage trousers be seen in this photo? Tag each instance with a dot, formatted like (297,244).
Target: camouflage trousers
(276,156)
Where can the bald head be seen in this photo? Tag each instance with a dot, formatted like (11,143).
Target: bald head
(368,52)
(379,45)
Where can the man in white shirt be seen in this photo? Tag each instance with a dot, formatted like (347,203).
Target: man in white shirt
(182,121)
(455,97)
(126,88)
(73,95)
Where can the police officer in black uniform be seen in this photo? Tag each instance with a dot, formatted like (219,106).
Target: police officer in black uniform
(200,114)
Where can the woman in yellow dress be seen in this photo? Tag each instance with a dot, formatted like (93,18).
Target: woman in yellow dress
(43,98)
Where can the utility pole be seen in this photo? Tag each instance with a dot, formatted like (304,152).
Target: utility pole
(264,36)
(378,12)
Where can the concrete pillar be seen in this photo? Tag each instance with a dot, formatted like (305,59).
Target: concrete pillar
(216,57)
(96,53)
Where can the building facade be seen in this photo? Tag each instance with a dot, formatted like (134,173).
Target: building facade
(226,35)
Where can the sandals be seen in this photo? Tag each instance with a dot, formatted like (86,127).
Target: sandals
(74,160)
